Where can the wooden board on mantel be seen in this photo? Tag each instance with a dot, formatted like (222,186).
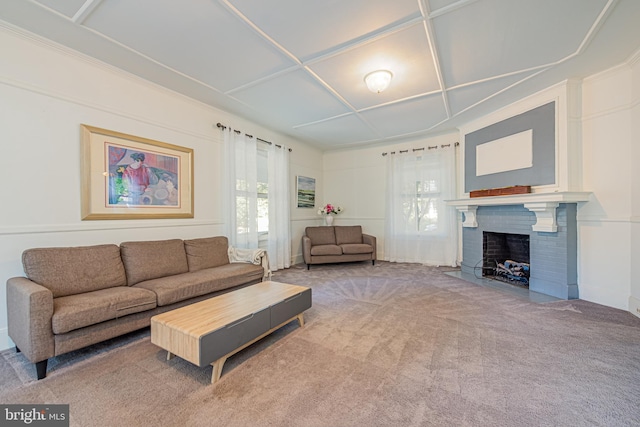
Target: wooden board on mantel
(505,191)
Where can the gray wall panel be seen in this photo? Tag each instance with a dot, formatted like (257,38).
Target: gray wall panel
(542,120)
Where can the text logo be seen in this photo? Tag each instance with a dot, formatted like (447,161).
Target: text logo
(34,415)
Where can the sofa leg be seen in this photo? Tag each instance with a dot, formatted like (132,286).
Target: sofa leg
(308,266)
(18,350)
(373,262)
(41,369)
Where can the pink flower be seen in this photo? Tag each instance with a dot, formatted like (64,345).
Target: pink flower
(329,209)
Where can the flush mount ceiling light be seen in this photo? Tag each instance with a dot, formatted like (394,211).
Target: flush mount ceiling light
(379,80)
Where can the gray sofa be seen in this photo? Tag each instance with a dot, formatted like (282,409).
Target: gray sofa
(77,296)
(332,244)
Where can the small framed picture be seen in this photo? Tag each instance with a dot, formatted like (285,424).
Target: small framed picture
(306,191)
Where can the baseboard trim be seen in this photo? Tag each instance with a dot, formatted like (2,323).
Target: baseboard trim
(634,306)
(5,341)
(297,259)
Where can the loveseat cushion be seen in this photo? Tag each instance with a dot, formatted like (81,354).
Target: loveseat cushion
(326,250)
(321,235)
(206,252)
(152,259)
(356,248)
(184,286)
(348,234)
(77,311)
(74,270)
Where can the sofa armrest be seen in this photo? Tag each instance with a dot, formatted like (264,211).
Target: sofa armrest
(370,240)
(29,313)
(306,249)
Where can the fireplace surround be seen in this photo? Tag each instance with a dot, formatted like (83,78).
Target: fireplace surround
(553,256)
(550,222)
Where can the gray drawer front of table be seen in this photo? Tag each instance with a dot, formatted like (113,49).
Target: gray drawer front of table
(224,340)
(285,310)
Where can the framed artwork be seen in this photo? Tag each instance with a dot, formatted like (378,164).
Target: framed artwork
(129,177)
(306,191)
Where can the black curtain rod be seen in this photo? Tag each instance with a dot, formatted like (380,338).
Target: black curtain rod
(223,127)
(422,149)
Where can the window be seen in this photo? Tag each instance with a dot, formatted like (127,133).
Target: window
(420,206)
(263,196)
(421,198)
(419,225)
(246,205)
(257,198)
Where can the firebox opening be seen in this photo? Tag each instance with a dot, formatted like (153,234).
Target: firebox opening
(505,257)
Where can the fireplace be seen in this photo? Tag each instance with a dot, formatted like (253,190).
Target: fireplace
(553,245)
(506,257)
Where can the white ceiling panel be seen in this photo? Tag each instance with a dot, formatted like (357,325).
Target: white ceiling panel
(441,4)
(294,98)
(297,66)
(405,53)
(464,97)
(319,26)
(339,131)
(407,117)
(199,38)
(66,7)
(494,37)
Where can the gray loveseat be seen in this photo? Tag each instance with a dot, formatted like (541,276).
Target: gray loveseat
(323,245)
(77,296)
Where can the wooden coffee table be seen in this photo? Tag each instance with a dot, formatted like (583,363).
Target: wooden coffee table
(210,331)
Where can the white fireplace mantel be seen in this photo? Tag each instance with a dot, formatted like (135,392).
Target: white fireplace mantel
(542,204)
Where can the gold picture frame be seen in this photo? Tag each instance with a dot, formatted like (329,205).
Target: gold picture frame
(129,177)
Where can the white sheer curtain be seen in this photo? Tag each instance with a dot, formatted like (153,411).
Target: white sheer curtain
(241,191)
(279,247)
(241,197)
(419,226)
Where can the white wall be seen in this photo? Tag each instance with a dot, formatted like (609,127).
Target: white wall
(46,92)
(634,299)
(308,164)
(355,179)
(607,225)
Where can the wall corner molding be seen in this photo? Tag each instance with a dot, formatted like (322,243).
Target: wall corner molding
(634,58)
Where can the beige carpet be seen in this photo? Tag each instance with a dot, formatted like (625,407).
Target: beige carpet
(384,345)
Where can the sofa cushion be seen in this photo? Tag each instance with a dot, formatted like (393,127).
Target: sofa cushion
(348,234)
(321,235)
(326,250)
(356,248)
(152,259)
(184,286)
(77,311)
(74,270)
(206,252)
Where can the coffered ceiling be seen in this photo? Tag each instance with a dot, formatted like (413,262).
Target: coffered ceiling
(297,66)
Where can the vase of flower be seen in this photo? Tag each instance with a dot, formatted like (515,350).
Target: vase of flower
(328,211)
